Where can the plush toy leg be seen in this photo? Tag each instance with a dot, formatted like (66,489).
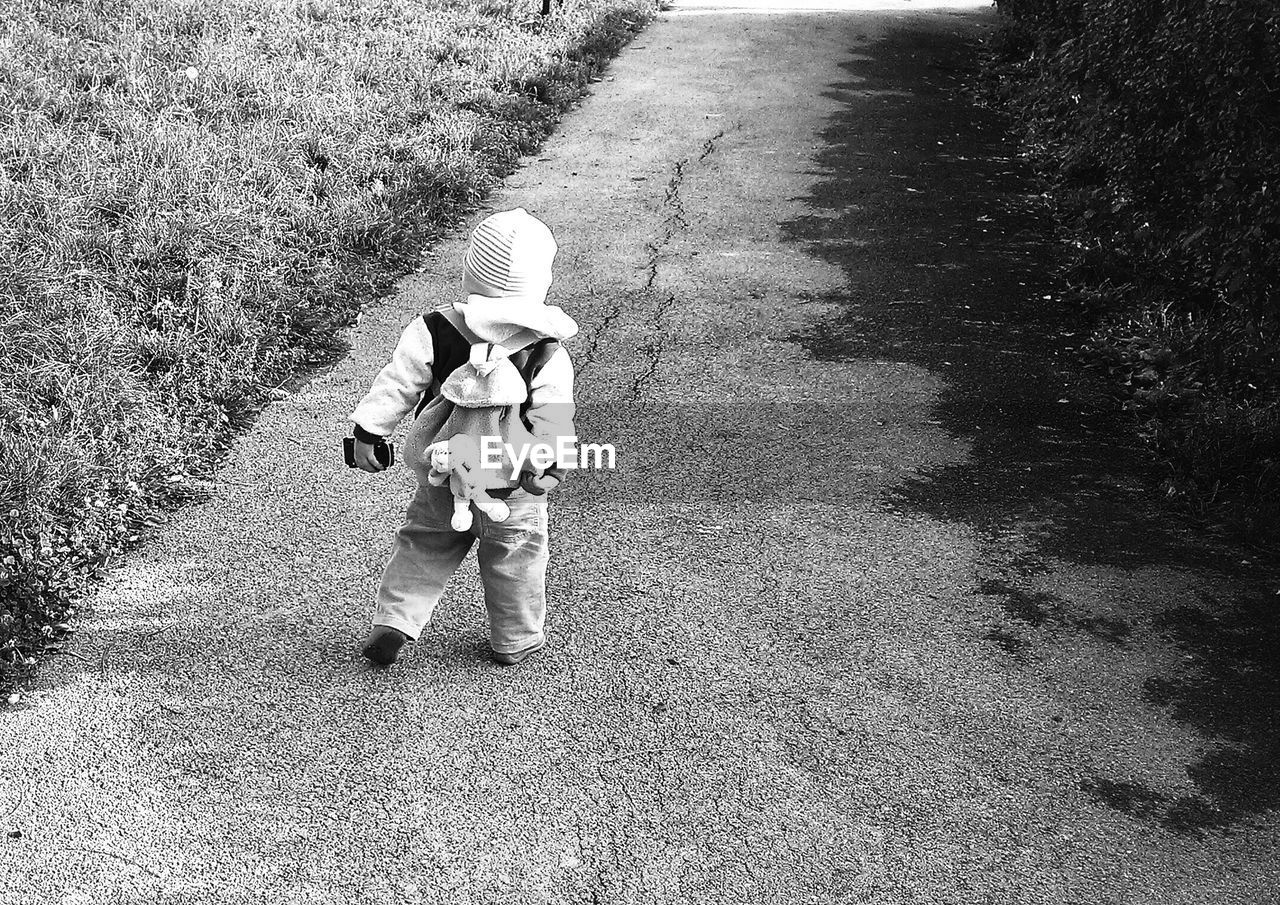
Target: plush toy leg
(462,518)
(496,510)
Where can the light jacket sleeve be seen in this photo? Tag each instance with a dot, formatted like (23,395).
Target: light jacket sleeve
(400,383)
(551,408)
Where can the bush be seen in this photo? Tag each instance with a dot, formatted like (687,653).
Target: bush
(1158,126)
(194,200)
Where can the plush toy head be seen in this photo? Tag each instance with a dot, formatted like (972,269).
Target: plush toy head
(487,379)
(459,454)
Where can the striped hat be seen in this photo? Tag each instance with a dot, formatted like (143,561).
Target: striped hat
(510,254)
(505,275)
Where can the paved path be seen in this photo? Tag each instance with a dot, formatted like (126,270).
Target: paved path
(875,609)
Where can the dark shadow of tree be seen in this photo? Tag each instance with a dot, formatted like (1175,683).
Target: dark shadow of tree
(948,248)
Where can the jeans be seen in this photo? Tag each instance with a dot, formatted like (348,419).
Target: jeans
(513,567)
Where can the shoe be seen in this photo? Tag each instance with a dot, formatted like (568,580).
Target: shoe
(519,656)
(383,644)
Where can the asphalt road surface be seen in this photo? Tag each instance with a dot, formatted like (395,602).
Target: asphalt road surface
(876,606)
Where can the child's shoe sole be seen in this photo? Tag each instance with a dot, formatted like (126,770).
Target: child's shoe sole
(383,644)
(519,656)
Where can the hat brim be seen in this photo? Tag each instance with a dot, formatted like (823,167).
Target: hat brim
(515,321)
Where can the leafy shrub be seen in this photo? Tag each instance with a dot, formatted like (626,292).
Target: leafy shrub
(1158,125)
(194,199)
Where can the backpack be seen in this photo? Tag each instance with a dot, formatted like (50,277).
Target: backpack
(450,350)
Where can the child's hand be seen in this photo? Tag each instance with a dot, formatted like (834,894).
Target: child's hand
(365,460)
(538,484)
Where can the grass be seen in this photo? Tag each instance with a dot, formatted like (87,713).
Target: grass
(194,199)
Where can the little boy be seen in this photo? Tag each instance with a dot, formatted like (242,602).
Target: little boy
(506,275)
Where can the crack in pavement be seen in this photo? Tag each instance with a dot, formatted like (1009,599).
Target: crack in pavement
(674,201)
(709,145)
(652,349)
(674,222)
(589,353)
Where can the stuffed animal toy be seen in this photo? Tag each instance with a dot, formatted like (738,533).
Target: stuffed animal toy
(479,399)
(456,461)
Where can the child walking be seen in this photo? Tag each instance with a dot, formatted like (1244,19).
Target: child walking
(504,316)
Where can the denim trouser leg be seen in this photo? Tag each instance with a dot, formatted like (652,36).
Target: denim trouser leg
(513,567)
(427,552)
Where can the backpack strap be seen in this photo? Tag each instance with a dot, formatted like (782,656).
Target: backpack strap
(539,354)
(449,348)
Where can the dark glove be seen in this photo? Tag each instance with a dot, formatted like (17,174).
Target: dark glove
(539,484)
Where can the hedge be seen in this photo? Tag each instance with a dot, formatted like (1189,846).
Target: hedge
(1159,127)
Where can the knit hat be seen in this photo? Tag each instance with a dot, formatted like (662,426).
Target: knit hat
(506,274)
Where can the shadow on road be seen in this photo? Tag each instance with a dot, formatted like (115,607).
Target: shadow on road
(948,251)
